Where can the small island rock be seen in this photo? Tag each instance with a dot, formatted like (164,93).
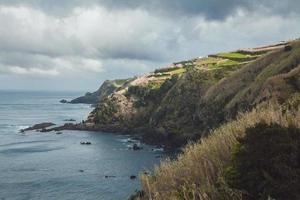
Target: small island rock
(63,101)
(132,177)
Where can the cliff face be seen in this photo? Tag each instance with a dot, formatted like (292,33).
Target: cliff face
(181,102)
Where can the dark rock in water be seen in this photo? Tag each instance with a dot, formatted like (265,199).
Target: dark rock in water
(81,170)
(135,147)
(109,176)
(43,130)
(85,143)
(63,101)
(70,120)
(66,126)
(58,133)
(132,177)
(41,126)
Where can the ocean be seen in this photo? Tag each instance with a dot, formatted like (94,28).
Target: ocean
(42,166)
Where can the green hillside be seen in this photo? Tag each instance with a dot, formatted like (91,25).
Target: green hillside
(181,102)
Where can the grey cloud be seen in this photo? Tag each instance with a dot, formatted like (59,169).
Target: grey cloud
(94,34)
(94,40)
(210,9)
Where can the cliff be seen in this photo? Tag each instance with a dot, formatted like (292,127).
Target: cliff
(183,101)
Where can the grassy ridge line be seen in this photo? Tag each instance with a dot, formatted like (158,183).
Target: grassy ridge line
(198,172)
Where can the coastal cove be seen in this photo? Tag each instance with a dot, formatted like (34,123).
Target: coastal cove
(38,165)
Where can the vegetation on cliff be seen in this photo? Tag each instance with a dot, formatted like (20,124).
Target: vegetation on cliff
(213,168)
(184,101)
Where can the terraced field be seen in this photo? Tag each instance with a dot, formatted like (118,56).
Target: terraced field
(216,66)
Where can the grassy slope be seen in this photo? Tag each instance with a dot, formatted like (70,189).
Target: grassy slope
(198,172)
(203,98)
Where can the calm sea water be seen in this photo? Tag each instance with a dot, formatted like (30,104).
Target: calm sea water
(42,166)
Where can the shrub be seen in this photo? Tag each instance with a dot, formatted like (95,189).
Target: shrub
(266,163)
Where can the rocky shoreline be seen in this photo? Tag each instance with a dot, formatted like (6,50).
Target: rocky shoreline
(86,126)
(40,126)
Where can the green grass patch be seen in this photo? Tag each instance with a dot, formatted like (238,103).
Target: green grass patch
(223,63)
(241,57)
(154,85)
(209,60)
(217,63)
(235,55)
(177,71)
(170,71)
(228,62)
(121,81)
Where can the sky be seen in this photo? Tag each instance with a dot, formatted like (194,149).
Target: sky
(78,44)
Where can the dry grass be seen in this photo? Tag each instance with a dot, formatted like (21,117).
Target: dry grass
(197,173)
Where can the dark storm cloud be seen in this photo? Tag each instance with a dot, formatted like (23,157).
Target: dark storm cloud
(210,9)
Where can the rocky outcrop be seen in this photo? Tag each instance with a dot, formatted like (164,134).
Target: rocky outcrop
(107,88)
(63,101)
(40,126)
